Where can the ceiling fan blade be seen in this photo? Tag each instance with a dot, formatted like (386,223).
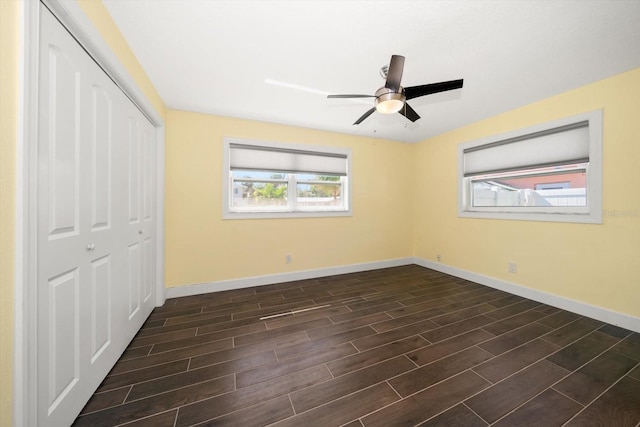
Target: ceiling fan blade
(416,91)
(364,116)
(351,96)
(394,75)
(409,112)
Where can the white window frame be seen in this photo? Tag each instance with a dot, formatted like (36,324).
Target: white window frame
(592,213)
(291,211)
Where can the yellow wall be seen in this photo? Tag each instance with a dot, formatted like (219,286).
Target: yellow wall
(10,23)
(201,247)
(593,264)
(103,22)
(9,18)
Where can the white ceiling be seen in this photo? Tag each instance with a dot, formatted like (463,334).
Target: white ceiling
(276,61)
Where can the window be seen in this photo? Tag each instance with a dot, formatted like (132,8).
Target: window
(275,180)
(550,172)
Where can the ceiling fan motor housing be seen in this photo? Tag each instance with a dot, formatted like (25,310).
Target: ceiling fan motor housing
(389,101)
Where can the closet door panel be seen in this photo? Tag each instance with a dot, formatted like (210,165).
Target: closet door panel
(148,214)
(62,151)
(134,146)
(63,321)
(134,203)
(92,261)
(62,257)
(134,273)
(101,159)
(101,306)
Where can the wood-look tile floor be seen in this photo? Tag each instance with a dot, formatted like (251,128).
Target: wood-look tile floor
(402,346)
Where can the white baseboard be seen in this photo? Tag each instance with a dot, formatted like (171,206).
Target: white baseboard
(584,309)
(247,282)
(578,307)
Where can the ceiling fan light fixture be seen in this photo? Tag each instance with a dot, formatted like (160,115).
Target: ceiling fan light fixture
(388,101)
(392,97)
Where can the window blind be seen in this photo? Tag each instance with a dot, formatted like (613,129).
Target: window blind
(254,157)
(563,145)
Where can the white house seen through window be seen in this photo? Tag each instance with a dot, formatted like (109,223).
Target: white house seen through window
(551,172)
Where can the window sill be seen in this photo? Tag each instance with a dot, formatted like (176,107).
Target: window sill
(586,218)
(279,215)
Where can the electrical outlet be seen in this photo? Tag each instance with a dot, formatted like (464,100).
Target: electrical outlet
(513,267)
(438,257)
(288,258)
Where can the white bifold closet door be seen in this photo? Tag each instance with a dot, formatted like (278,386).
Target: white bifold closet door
(95,278)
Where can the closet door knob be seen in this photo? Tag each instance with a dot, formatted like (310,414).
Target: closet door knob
(139,231)
(91,246)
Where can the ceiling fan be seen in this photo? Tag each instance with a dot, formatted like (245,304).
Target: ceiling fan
(392,98)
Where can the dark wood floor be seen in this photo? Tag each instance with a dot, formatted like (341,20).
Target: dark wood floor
(400,346)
